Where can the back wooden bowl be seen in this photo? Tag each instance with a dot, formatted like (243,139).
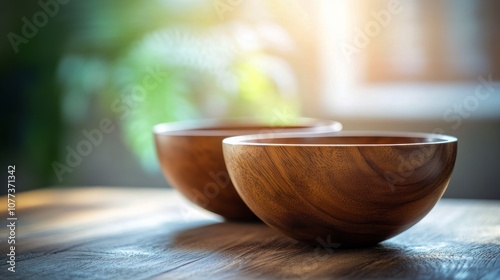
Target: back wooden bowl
(349,190)
(190,155)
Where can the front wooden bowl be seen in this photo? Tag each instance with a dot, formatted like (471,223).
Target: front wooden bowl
(191,158)
(349,190)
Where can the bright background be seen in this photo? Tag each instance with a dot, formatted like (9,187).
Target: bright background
(430,66)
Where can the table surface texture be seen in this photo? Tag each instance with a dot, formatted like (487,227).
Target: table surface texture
(142,233)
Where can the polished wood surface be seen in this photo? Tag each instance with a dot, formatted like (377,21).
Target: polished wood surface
(191,158)
(348,190)
(138,233)
(195,166)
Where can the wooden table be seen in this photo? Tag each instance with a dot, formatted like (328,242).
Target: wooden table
(136,233)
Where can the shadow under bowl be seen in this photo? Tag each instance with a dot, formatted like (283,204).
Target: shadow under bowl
(352,189)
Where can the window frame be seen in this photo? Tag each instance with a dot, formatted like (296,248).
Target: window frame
(344,95)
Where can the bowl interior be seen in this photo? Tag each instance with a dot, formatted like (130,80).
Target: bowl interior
(228,130)
(343,139)
(243,127)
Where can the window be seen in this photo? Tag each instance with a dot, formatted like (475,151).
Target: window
(410,58)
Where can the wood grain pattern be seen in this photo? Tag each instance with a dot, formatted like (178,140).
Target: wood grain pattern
(346,190)
(138,233)
(195,166)
(191,158)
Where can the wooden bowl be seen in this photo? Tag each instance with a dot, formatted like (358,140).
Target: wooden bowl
(190,155)
(351,190)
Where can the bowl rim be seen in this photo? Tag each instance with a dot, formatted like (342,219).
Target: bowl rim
(218,127)
(246,140)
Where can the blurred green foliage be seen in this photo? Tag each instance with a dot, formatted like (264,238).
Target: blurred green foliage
(204,70)
(204,63)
